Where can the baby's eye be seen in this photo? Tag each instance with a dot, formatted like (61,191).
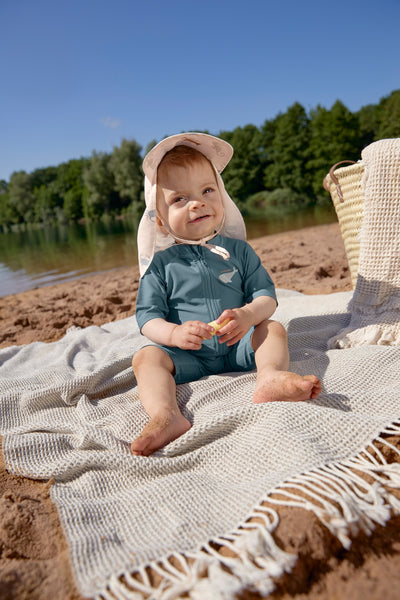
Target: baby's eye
(178,199)
(208,191)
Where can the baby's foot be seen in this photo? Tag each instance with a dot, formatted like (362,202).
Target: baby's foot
(158,432)
(283,385)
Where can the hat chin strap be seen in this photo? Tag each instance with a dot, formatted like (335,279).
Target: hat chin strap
(203,241)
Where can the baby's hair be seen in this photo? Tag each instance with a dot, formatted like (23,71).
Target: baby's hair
(181,156)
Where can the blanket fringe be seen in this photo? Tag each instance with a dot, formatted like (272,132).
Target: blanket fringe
(344,501)
(348,497)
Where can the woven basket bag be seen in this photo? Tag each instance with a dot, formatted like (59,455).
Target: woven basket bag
(344,186)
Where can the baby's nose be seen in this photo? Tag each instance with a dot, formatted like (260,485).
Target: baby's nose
(196,201)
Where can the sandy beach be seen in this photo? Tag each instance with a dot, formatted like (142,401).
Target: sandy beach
(34,560)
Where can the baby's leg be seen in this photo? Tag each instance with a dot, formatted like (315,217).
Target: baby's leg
(154,369)
(274,381)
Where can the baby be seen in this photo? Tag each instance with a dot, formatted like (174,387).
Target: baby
(196,267)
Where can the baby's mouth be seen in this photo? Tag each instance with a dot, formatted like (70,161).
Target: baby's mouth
(200,219)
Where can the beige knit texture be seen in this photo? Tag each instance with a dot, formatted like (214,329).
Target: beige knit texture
(375,306)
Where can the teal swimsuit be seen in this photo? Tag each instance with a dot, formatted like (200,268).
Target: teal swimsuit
(185,283)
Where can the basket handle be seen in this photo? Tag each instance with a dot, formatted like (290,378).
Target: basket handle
(335,179)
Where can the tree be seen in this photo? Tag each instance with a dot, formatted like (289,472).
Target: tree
(48,203)
(368,123)
(48,195)
(334,136)
(21,199)
(43,177)
(7,215)
(3,187)
(73,204)
(389,117)
(379,121)
(100,182)
(243,175)
(267,134)
(71,186)
(125,165)
(287,169)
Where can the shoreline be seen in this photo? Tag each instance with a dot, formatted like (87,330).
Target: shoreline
(310,260)
(34,563)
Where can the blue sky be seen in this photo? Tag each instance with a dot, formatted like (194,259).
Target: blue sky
(81,75)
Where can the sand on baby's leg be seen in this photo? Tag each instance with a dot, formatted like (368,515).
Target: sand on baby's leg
(274,381)
(154,369)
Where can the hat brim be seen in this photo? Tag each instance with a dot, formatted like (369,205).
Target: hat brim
(218,151)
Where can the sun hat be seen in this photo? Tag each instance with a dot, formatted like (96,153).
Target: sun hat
(152,238)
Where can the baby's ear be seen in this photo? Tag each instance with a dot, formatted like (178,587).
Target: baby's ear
(160,225)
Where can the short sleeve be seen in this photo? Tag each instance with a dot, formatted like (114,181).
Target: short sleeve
(257,281)
(151,300)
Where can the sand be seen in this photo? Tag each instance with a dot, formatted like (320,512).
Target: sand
(34,560)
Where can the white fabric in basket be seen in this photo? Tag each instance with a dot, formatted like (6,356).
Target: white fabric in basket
(375,306)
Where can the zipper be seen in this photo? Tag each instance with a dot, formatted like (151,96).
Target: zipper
(212,305)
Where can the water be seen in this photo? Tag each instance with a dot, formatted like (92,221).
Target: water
(41,257)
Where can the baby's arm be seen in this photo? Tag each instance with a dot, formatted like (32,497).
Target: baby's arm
(241,319)
(188,336)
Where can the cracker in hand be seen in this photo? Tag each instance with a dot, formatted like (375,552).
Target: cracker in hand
(217,326)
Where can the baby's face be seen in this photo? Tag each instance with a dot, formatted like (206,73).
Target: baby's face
(189,201)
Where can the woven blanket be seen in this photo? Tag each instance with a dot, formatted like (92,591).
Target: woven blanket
(375,306)
(70,409)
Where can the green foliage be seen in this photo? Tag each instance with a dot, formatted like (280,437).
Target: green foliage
(273,203)
(267,135)
(7,215)
(243,174)
(277,167)
(126,166)
(389,117)
(334,136)
(380,121)
(47,203)
(100,183)
(287,168)
(71,188)
(114,181)
(368,123)
(21,199)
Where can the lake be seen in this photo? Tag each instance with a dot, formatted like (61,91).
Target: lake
(46,256)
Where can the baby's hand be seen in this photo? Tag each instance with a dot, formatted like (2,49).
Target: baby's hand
(235,324)
(190,335)
(217,326)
